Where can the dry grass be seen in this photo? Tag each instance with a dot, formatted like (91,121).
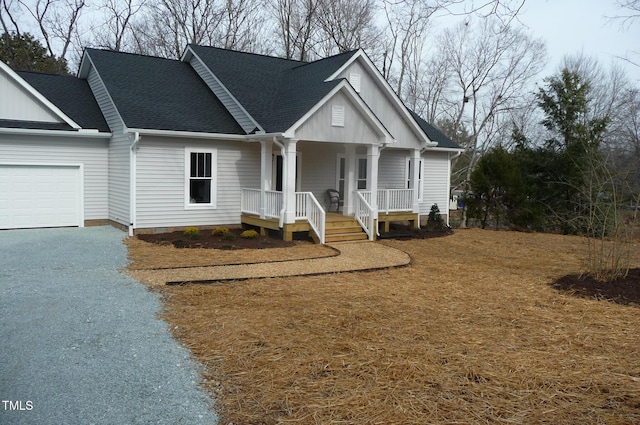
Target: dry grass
(469,333)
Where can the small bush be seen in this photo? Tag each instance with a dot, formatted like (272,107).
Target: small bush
(228,236)
(435,221)
(192,232)
(249,234)
(220,231)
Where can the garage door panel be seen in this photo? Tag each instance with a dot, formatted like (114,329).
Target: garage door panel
(39,196)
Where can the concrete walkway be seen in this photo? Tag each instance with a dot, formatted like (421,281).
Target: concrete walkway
(354,256)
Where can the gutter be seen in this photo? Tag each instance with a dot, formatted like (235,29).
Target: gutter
(94,134)
(187,134)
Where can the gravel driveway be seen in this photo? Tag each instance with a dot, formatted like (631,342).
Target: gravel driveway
(81,343)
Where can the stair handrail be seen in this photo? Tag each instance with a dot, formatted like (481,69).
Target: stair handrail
(364,215)
(314,214)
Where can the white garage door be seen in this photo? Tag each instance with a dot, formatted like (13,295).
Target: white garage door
(40,196)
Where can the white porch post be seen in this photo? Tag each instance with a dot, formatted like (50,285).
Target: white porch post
(289,180)
(350,186)
(373,154)
(266,165)
(415,177)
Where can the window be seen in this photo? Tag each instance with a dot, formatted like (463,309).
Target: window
(200,184)
(362,174)
(342,169)
(409,176)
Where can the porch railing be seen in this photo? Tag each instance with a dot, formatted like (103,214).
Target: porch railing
(308,208)
(391,200)
(364,215)
(252,202)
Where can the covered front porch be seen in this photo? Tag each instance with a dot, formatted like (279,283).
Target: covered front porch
(326,226)
(295,176)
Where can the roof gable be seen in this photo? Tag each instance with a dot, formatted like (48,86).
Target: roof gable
(384,102)
(160,94)
(275,92)
(72,95)
(20,101)
(360,123)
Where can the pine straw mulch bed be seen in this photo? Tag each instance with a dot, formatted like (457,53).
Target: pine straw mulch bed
(472,332)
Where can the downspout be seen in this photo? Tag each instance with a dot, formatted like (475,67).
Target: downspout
(132,182)
(283,152)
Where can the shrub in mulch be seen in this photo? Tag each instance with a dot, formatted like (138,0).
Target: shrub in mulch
(624,290)
(219,238)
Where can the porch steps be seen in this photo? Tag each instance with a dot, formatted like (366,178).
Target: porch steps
(341,230)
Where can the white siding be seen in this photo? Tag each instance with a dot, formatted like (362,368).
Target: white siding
(379,102)
(57,150)
(392,169)
(355,129)
(160,175)
(119,148)
(16,103)
(436,182)
(319,162)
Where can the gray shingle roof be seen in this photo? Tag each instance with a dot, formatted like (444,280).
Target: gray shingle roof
(276,92)
(161,94)
(71,95)
(434,134)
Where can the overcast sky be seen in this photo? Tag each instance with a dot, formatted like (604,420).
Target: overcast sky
(572,26)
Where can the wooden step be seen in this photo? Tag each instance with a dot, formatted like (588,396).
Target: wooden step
(337,230)
(344,237)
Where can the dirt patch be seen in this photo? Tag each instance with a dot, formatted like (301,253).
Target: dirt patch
(624,290)
(207,239)
(470,332)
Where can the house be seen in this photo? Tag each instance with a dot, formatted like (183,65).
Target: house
(218,137)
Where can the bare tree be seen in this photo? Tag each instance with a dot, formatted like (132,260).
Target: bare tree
(9,16)
(296,26)
(491,67)
(115,25)
(347,25)
(407,22)
(172,24)
(57,22)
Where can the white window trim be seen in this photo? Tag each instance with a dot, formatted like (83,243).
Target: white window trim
(409,176)
(187,178)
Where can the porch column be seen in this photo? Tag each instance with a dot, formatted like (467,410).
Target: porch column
(350,187)
(373,154)
(415,176)
(266,165)
(289,180)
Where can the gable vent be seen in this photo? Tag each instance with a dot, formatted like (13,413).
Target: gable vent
(354,80)
(337,116)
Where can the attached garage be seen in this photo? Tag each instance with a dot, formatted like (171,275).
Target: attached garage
(41,195)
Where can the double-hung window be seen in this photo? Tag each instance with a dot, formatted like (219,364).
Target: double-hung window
(200,166)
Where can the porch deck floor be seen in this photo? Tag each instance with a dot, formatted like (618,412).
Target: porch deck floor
(353,256)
